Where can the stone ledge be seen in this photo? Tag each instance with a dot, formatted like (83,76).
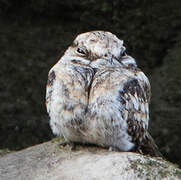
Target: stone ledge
(48,161)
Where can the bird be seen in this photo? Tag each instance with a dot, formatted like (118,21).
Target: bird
(96,94)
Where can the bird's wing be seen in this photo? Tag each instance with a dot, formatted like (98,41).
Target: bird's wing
(67,97)
(129,89)
(135,96)
(120,97)
(67,86)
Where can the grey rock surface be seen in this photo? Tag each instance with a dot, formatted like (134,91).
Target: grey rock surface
(49,161)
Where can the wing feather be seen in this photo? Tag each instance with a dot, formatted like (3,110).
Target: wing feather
(67,98)
(136,93)
(119,98)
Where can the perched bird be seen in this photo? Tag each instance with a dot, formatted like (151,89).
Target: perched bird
(96,94)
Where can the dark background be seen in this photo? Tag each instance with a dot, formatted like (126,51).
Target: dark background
(34,34)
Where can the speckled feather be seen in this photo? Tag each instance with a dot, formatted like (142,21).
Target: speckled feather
(67,99)
(97,95)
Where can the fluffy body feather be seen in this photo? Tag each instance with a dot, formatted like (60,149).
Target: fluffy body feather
(118,104)
(96,94)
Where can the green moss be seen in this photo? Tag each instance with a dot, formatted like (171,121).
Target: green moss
(178,173)
(58,140)
(155,169)
(4,151)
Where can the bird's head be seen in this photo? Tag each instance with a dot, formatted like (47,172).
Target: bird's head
(90,46)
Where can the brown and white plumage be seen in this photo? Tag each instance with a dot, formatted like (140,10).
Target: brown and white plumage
(96,94)
(67,98)
(123,108)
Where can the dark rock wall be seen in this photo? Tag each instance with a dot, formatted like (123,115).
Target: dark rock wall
(34,34)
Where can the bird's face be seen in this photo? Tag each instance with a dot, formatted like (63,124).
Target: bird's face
(95,45)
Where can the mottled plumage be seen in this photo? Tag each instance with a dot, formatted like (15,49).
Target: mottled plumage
(96,94)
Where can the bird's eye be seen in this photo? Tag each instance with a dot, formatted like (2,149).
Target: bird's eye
(81,51)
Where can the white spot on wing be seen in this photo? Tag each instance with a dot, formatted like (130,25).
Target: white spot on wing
(135,102)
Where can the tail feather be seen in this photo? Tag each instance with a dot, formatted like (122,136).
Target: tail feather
(148,147)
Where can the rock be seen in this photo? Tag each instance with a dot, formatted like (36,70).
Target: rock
(50,161)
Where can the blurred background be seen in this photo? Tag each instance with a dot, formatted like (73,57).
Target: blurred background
(34,34)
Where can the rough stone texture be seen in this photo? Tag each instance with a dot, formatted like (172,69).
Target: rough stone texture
(49,161)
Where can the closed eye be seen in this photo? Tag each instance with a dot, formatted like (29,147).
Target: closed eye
(81,51)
